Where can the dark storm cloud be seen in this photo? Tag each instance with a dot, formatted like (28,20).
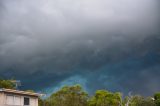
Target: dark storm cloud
(50,42)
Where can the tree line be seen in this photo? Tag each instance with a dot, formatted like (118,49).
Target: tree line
(76,96)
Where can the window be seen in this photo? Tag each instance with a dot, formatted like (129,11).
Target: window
(26,101)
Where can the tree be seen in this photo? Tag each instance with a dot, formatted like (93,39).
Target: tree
(7,84)
(69,96)
(157,99)
(105,98)
(138,100)
(148,102)
(40,102)
(126,101)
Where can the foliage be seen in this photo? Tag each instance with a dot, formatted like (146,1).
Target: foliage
(69,96)
(40,102)
(75,96)
(105,98)
(7,84)
(157,98)
(138,100)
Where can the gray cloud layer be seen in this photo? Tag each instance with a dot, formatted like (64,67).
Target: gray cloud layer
(51,40)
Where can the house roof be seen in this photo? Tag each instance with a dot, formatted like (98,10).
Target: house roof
(20,92)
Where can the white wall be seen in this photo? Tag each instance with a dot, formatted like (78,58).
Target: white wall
(1,98)
(34,101)
(16,100)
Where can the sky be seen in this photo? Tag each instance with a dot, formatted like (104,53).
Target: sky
(100,44)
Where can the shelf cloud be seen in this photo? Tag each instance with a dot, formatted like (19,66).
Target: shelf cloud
(106,44)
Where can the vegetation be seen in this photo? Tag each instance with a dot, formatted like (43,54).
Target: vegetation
(68,96)
(76,96)
(157,99)
(138,100)
(7,84)
(105,98)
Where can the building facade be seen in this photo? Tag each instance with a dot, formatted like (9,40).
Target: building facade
(10,97)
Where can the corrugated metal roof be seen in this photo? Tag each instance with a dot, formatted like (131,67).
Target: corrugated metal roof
(20,92)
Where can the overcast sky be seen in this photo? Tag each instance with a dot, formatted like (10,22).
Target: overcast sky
(101,44)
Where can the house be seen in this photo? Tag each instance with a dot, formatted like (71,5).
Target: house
(10,97)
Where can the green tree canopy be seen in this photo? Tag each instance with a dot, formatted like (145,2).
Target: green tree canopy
(7,84)
(69,96)
(105,98)
(138,100)
(157,98)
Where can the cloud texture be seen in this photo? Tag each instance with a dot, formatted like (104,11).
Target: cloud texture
(102,44)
